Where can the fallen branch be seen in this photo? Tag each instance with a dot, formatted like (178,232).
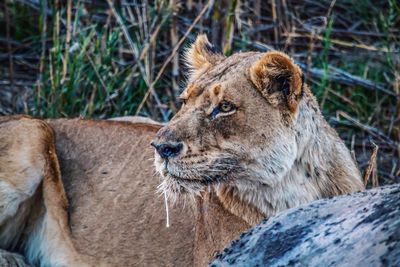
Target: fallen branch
(371,130)
(343,77)
(371,168)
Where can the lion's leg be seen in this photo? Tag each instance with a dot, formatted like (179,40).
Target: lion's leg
(20,176)
(10,200)
(10,259)
(51,234)
(50,241)
(35,205)
(15,208)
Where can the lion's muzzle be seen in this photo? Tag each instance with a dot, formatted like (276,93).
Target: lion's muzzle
(168,149)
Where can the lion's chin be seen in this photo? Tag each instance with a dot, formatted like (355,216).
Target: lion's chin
(179,180)
(175,187)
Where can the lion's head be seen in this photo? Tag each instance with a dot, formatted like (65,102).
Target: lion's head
(236,122)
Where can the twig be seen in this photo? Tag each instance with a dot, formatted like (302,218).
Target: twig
(230,27)
(134,48)
(371,130)
(10,57)
(342,43)
(36,5)
(136,55)
(330,8)
(275,21)
(175,61)
(343,77)
(43,7)
(97,74)
(371,168)
(174,51)
(67,41)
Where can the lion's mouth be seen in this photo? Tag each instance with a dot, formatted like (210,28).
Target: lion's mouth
(178,178)
(195,174)
(183,177)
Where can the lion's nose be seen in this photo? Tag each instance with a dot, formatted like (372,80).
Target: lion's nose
(168,150)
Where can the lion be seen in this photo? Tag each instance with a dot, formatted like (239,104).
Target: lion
(248,142)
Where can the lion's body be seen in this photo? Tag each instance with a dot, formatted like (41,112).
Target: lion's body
(116,214)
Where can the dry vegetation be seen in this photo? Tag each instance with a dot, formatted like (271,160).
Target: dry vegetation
(110,58)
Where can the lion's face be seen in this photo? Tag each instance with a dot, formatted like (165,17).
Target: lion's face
(235,125)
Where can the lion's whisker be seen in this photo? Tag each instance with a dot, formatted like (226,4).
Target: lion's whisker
(166,207)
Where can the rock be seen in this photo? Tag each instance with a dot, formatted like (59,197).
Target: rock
(9,259)
(360,229)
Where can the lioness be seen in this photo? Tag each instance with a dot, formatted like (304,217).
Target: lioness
(250,140)
(251,131)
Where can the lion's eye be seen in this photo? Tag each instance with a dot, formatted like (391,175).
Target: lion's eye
(226,106)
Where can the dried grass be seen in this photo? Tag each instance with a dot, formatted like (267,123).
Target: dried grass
(113,58)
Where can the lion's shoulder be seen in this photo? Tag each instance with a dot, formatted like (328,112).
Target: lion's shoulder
(108,173)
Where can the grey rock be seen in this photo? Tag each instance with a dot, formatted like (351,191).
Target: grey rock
(9,259)
(360,229)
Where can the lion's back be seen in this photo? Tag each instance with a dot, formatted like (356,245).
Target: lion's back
(116,213)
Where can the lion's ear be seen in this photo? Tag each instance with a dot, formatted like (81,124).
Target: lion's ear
(278,79)
(201,54)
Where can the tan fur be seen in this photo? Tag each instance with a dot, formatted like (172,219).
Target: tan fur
(136,119)
(200,55)
(116,214)
(33,205)
(268,69)
(273,152)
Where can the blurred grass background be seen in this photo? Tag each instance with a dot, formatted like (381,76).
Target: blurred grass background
(101,59)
